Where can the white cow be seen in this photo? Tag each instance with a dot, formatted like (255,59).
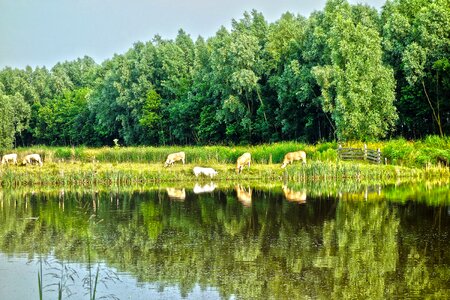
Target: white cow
(205,171)
(292,156)
(171,158)
(9,158)
(242,161)
(31,158)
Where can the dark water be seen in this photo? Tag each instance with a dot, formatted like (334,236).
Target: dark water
(327,241)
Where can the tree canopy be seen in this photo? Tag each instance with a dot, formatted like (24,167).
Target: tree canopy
(345,72)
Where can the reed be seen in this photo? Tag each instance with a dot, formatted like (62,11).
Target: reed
(432,150)
(94,174)
(138,165)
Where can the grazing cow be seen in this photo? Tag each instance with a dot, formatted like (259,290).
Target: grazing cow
(205,171)
(9,158)
(171,158)
(207,188)
(244,195)
(243,160)
(291,156)
(31,158)
(294,196)
(176,194)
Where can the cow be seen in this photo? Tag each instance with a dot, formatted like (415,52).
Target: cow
(242,161)
(244,195)
(207,188)
(291,156)
(9,158)
(205,171)
(171,158)
(31,158)
(294,196)
(176,194)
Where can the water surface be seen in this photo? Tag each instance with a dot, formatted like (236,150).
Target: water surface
(242,241)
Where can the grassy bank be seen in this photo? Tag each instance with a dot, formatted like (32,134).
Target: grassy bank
(86,174)
(138,165)
(431,151)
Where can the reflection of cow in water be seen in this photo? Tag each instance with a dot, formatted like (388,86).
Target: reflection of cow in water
(176,194)
(207,188)
(244,195)
(294,196)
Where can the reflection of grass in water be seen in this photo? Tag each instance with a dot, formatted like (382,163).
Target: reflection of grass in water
(66,275)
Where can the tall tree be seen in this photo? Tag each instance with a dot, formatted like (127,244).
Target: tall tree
(62,120)
(14,117)
(357,88)
(416,39)
(237,67)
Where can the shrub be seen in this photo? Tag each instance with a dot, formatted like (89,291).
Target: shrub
(398,151)
(63,153)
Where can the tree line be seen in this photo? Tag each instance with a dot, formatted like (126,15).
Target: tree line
(345,72)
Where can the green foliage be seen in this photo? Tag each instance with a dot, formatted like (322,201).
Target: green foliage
(15,114)
(345,72)
(357,89)
(398,151)
(63,120)
(6,122)
(63,153)
(150,117)
(415,41)
(433,150)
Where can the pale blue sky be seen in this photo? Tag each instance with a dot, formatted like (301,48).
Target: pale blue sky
(44,32)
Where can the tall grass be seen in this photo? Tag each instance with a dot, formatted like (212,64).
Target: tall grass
(112,174)
(263,154)
(137,165)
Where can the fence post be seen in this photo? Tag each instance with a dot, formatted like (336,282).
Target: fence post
(378,155)
(339,151)
(365,152)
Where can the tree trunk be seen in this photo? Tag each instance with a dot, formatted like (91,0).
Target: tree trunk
(436,117)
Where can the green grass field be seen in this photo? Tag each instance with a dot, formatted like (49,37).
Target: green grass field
(137,165)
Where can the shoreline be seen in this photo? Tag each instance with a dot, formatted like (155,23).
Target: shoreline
(109,174)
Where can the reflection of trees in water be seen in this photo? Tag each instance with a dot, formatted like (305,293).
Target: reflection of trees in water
(427,258)
(273,248)
(360,246)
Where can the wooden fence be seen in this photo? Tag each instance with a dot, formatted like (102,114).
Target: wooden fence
(373,156)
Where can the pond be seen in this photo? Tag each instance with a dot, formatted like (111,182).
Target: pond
(236,241)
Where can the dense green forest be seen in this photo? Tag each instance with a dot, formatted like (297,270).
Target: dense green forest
(345,72)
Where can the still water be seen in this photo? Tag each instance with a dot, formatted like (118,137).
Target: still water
(206,241)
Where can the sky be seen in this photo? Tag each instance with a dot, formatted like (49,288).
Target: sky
(44,32)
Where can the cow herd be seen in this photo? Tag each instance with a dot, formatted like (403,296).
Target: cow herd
(242,161)
(27,160)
